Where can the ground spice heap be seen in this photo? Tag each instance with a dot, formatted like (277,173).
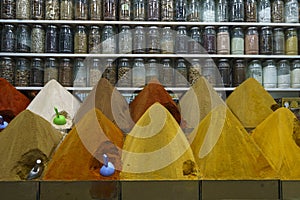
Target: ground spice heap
(54,95)
(110,102)
(12,102)
(152,93)
(224,150)
(250,103)
(27,138)
(276,137)
(197,102)
(79,157)
(157,149)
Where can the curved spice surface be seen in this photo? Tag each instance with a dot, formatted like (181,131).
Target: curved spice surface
(157,149)
(225,151)
(110,102)
(27,138)
(12,102)
(250,103)
(276,137)
(152,93)
(79,157)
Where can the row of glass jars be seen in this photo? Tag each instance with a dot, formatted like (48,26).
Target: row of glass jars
(96,39)
(153,10)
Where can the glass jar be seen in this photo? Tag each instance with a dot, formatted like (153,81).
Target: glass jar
(52,39)
(153,10)
(278,41)
(181,40)
(138,73)
(65,72)
(124,73)
(8,9)
(208,11)
(181,10)
(37,39)
(139,10)
(195,71)
(109,43)
(266,40)
(65,39)
(237,13)
(167,10)
(251,11)
(52,10)
(209,72)
(94,72)
(110,71)
(222,12)
(167,73)
(291,11)
(23,38)
(8,43)
(269,74)
(51,70)
(152,70)
(80,73)
(252,41)
(95,10)
(295,74)
(283,74)
(291,42)
(210,40)
(37,72)
(193,14)
(167,40)
(125,40)
(181,78)
(139,40)
(237,41)
(254,70)
(195,41)
(94,40)
(109,10)
(238,72)
(37,9)
(80,39)
(223,40)
(225,73)
(264,11)
(7,69)
(23,9)
(22,73)
(81,9)
(124,10)
(153,40)
(66,10)
(278,11)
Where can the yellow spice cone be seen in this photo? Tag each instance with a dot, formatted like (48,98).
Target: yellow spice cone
(224,150)
(157,149)
(275,136)
(250,103)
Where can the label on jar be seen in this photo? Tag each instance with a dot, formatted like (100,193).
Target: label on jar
(251,44)
(270,77)
(223,43)
(291,45)
(265,15)
(209,16)
(295,78)
(237,46)
(284,81)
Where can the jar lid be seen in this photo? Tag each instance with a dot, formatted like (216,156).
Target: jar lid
(51,59)
(278,29)
(51,26)
(223,27)
(125,27)
(223,60)
(9,25)
(195,60)
(6,58)
(237,28)
(265,27)
(37,26)
(139,59)
(108,26)
(66,59)
(181,27)
(139,27)
(195,28)
(124,59)
(167,27)
(209,27)
(252,28)
(291,29)
(37,59)
(152,60)
(153,27)
(66,26)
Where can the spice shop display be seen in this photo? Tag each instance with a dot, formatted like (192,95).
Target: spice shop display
(153,137)
(29,137)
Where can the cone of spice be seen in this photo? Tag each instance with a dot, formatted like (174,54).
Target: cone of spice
(12,102)
(110,102)
(157,149)
(152,93)
(53,95)
(277,136)
(225,151)
(79,157)
(27,138)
